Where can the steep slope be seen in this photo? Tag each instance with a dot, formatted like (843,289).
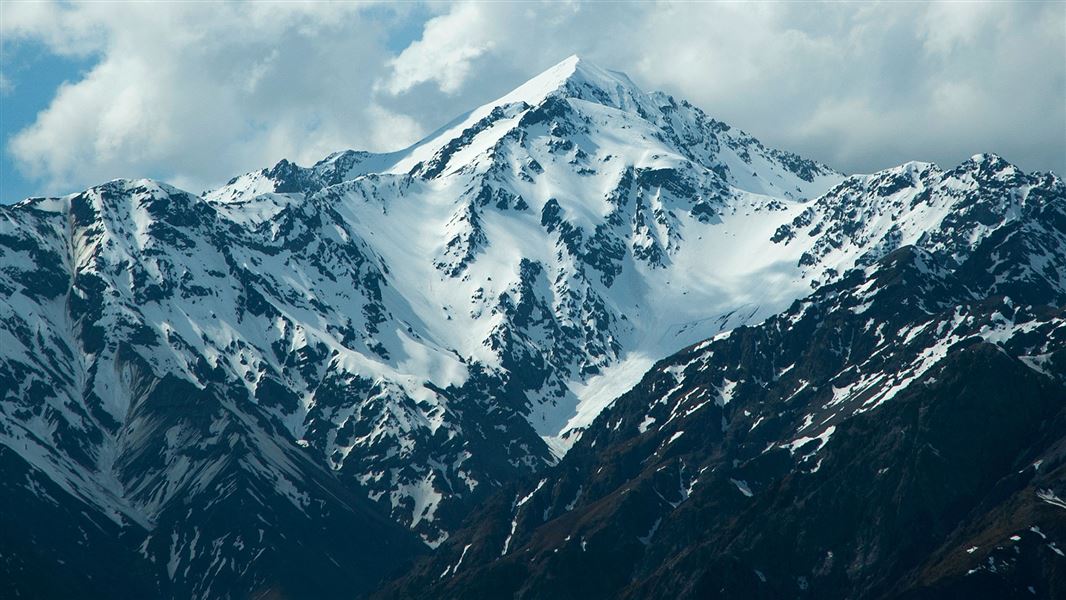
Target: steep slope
(418,328)
(53,542)
(898,433)
(562,238)
(115,394)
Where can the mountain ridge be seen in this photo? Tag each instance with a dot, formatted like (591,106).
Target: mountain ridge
(900,429)
(425,327)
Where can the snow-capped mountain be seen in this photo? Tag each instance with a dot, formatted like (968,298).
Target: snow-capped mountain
(899,433)
(406,333)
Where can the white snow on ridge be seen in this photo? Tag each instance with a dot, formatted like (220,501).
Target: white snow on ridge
(590,239)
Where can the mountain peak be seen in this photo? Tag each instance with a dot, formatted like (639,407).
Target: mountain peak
(576,77)
(415,333)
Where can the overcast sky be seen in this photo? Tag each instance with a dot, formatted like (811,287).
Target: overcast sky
(194,93)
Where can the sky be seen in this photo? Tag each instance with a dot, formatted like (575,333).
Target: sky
(193,93)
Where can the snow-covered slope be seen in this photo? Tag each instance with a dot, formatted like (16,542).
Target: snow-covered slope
(142,378)
(427,324)
(899,433)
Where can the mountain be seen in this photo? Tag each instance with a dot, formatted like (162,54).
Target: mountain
(899,433)
(301,374)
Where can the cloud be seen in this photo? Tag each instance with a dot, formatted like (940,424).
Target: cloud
(444,53)
(195,93)
(861,87)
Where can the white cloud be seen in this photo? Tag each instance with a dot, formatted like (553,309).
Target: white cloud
(62,30)
(859,86)
(946,28)
(196,93)
(444,54)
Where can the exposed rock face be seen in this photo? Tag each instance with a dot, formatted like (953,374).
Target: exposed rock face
(309,368)
(898,433)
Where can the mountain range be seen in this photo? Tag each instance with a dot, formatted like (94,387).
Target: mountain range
(582,341)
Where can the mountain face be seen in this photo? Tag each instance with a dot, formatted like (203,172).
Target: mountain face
(299,382)
(899,433)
